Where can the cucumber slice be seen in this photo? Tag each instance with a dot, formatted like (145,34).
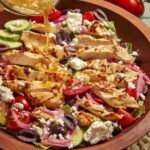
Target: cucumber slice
(6,35)
(11,44)
(78,138)
(18,26)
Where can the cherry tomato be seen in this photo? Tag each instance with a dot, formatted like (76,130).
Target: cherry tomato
(132,93)
(97,99)
(23,100)
(37,19)
(88,16)
(75,88)
(54,14)
(127,119)
(23,116)
(134,6)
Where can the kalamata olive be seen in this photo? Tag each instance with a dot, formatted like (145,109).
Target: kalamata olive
(70,121)
(100,15)
(62,37)
(70,101)
(4,47)
(27,135)
(56,129)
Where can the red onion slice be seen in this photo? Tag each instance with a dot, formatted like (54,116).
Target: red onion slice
(18,122)
(27,135)
(88,95)
(100,15)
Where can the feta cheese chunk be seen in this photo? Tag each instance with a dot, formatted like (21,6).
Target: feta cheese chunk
(99,131)
(74,21)
(6,94)
(77,64)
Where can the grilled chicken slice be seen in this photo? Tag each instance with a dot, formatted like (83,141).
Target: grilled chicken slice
(84,40)
(47,93)
(36,43)
(85,118)
(22,58)
(28,74)
(98,110)
(40,28)
(116,99)
(105,52)
(97,29)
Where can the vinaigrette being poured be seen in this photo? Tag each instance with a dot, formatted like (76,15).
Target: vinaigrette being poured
(42,7)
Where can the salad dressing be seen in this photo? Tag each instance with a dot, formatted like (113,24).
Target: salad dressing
(43,7)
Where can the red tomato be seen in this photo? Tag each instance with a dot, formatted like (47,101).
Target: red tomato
(23,100)
(23,116)
(136,7)
(97,99)
(54,14)
(37,19)
(88,16)
(127,119)
(132,93)
(73,91)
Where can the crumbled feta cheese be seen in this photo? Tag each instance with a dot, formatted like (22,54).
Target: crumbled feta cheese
(142,96)
(120,62)
(87,22)
(42,120)
(74,42)
(77,63)
(21,83)
(60,121)
(52,24)
(50,121)
(54,136)
(52,35)
(64,43)
(37,112)
(61,136)
(134,53)
(37,129)
(29,46)
(99,131)
(131,85)
(6,94)
(19,106)
(74,21)
(30,70)
(121,75)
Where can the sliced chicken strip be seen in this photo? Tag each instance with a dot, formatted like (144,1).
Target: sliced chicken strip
(98,110)
(105,52)
(84,40)
(30,75)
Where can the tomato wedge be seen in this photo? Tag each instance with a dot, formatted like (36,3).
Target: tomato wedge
(74,92)
(98,100)
(127,119)
(54,14)
(23,100)
(24,117)
(132,93)
(88,16)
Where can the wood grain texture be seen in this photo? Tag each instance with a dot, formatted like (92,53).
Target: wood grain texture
(131,29)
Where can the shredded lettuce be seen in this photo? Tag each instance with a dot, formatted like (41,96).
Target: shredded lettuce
(67,109)
(129,47)
(38,144)
(141,110)
(110,26)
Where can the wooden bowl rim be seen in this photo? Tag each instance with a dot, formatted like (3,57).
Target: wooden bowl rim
(123,139)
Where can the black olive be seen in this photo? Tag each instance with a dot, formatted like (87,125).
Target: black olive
(70,101)
(56,129)
(70,121)
(61,37)
(4,47)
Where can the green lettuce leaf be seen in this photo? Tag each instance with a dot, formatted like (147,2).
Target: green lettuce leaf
(141,110)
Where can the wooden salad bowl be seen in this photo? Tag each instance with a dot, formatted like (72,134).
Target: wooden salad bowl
(130,29)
